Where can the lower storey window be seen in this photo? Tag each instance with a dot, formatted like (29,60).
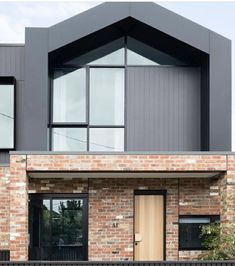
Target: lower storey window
(190,231)
(58,227)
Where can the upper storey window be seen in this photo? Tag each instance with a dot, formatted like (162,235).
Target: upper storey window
(7,116)
(69,96)
(88,96)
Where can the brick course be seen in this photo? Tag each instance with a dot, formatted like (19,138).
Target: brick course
(127,162)
(111,200)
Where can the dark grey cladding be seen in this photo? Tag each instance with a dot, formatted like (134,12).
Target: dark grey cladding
(146,22)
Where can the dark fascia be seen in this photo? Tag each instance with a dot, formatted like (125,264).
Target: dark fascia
(148,13)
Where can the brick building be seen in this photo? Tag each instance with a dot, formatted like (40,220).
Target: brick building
(115,137)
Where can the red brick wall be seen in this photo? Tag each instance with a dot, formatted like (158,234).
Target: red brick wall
(4,207)
(127,162)
(18,190)
(58,185)
(199,196)
(111,200)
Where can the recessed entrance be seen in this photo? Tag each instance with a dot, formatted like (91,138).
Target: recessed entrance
(58,227)
(149,225)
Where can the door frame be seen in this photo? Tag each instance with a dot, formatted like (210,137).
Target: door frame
(52,196)
(151,193)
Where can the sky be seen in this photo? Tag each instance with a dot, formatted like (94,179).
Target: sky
(15,16)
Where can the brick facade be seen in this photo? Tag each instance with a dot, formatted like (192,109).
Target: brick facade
(111,199)
(4,207)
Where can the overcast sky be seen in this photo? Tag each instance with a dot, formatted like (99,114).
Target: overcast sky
(15,16)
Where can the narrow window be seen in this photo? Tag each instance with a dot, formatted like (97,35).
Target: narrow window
(190,231)
(7,116)
(107,96)
(69,96)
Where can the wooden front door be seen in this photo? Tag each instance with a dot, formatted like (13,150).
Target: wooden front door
(149,227)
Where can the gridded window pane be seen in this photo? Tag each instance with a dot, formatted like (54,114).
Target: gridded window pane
(106,139)
(107,96)
(69,96)
(57,228)
(69,139)
(6,116)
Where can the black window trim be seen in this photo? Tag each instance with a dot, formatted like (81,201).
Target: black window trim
(84,196)
(86,124)
(10,80)
(213,219)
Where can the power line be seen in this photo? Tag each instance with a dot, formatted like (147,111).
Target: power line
(83,141)
(7,116)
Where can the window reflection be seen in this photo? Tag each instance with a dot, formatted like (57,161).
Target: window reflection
(106,139)
(7,116)
(69,139)
(60,233)
(69,96)
(107,96)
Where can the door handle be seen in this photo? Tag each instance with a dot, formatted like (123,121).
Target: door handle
(138,237)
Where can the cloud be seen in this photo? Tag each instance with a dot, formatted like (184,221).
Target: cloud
(15,16)
(12,30)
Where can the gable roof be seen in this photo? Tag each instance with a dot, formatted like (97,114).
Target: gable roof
(148,13)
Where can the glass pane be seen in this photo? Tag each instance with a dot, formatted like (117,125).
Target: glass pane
(115,58)
(194,220)
(111,53)
(107,96)
(137,59)
(190,236)
(107,139)
(57,233)
(67,229)
(7,116)
(69,139)
(35,206)
(45,230)
(69,96)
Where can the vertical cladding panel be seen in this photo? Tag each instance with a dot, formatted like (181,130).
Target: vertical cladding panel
(163,109)
(35,100)
(4,157)
(12,61)
(12,64)
(220,93)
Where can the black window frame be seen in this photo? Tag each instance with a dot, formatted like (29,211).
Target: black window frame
(88,66)
(52,196)
(10,80)
(181,246)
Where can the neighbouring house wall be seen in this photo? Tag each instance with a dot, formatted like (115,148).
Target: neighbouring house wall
(111,200)
(4,207)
